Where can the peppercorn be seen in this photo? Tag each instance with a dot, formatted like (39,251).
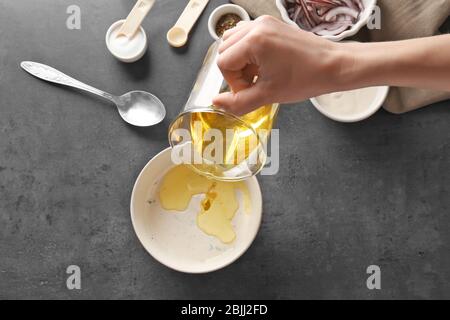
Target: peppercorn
(226,22)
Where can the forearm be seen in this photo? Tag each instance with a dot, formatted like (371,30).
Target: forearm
(421,63)
(293,65)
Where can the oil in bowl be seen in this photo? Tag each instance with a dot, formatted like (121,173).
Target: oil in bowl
(216,227)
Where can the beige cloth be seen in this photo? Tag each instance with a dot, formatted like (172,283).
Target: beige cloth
(400,19)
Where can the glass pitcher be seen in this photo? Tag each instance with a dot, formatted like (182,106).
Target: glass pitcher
(216,143)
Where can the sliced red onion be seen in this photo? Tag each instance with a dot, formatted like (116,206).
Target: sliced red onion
(325,17)
(341,11)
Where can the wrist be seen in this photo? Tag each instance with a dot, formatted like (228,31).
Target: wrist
(360,65)
(349,62)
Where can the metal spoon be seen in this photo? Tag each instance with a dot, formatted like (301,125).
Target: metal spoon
(138,108)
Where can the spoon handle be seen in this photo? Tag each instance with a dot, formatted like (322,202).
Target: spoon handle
(135,18)
(50,74)
(191,13)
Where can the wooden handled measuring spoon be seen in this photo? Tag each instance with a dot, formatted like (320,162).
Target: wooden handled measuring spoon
(178,35)
(135,18)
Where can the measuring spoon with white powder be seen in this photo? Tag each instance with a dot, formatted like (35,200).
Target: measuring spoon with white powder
(126,39)
(179,33)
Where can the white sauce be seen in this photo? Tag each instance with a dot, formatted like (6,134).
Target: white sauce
(124,47)
(349,103)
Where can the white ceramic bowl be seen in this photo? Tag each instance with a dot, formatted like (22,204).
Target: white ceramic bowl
(222,10)
(369,6)
(371,109)
(133,57)
(173,238)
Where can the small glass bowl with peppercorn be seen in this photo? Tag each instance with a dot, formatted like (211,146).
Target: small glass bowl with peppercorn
(224,18)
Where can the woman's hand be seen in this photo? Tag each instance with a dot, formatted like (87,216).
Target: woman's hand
(293,65)
(290,65)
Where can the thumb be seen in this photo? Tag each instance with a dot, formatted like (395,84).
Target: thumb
(241,102)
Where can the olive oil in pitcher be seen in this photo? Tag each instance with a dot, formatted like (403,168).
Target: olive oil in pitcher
(220,145)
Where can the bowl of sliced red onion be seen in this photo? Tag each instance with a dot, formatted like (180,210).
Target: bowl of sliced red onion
(331,19)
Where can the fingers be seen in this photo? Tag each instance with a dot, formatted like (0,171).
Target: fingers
(233,38)
(235,58)
(232,31)
(242,102)
(237,80)
(235,62)
(232,63)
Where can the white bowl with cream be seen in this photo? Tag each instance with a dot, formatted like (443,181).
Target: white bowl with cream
(123,48)
(351,106)
(173,238)
(369,6)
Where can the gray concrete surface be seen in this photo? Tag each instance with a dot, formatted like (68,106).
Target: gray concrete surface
(346,196)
